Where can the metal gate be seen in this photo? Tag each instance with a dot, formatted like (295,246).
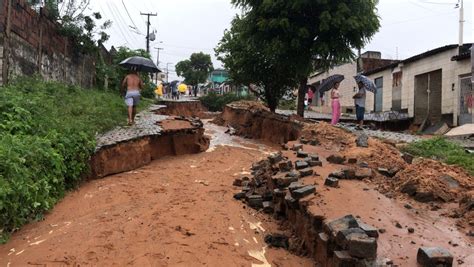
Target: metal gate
(466,101)
(428,97)
(378,97)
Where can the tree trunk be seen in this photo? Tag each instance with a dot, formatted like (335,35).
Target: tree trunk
(301,94)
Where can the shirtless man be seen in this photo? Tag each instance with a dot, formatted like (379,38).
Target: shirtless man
(134,84)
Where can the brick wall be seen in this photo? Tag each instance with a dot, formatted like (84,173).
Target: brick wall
(45,52)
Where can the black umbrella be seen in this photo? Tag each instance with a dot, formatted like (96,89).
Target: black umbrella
(140,64)
(329,82)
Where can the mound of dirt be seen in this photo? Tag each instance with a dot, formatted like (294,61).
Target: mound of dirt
(252,106)
(328,135)
(428,180)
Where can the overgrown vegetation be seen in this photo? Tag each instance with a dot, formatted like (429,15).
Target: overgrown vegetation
(441,149)
(47,134)
(216,102)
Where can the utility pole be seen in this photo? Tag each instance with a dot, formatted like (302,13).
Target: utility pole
(167,71)
(148,29)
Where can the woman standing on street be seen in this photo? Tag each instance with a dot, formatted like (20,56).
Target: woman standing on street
(336,105)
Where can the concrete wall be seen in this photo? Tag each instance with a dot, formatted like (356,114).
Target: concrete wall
(451,71)
(37,47)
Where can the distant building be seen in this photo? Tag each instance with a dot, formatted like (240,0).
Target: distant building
(369,60)
(217,81)
(435,85)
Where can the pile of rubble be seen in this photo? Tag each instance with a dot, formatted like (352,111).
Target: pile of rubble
(275,188)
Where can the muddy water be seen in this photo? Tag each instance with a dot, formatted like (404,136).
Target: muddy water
(361,199)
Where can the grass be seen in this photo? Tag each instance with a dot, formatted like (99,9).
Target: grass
(47,135)
(216,102)
(443,150)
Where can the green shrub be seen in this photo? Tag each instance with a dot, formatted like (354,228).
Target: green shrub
(216,102)
(47,135)
(441,149)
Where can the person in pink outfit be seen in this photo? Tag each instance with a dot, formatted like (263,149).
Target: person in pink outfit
(336,105)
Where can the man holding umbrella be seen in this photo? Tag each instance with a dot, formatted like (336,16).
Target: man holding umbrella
(134,84)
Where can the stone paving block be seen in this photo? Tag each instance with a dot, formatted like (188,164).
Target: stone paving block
(297,147)
(293,174)
(315,163)
(282,182)
(342,236)
(336,159)
(314,142)
(303,192)
(255,201)
(363,173)
(341,258)
(362,140)
(304,141)
(291,202)
(279,193)
(277,240)
(285,166)
(294,186)
(434,257)
(301,154)
(299,164)
(362,246)
(332,182)
(306,172)
(307,159)
(267,207)
(237,182)
(346,222)
(275,158)
(369,229)
(314,157)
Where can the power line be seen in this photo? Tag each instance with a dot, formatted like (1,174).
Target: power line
(120,29)
(130,17)
(118,16)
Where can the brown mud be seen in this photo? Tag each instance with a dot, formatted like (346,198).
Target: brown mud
(176,211)
(191,108)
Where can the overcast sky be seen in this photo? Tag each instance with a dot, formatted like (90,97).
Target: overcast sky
(187,26)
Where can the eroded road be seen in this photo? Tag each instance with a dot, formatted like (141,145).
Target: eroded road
(177,211)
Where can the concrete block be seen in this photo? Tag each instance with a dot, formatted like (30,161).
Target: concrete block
(342,236)
(297,147)
(369,230)
(291,202)
(275,158)
(303,192)
(255,201)
(332,182)
(301,154)
(293,174)
(336,159)
(363,173)
(346,222)
(306,172)
(285,166)
(301,164)
(239,196)
(294,186)
(314,157)
(315,163)
(268,207)
(341,258)
(434,257)
(364,247)
(322,250)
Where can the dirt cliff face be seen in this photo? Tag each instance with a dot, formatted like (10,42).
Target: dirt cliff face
(178,137)
(184,108)
(255,121)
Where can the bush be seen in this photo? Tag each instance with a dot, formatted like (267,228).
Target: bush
(47,135)
(216,102)
(441,149)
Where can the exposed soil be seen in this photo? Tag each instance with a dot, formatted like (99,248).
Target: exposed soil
(253,120)
(173,212)
(191,108)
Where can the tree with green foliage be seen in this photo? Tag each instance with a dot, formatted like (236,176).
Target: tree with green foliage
(196,69)
(280,38)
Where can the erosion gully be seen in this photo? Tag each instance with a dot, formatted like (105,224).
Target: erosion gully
(180,211)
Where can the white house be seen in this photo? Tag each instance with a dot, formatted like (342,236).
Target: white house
(435,85)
